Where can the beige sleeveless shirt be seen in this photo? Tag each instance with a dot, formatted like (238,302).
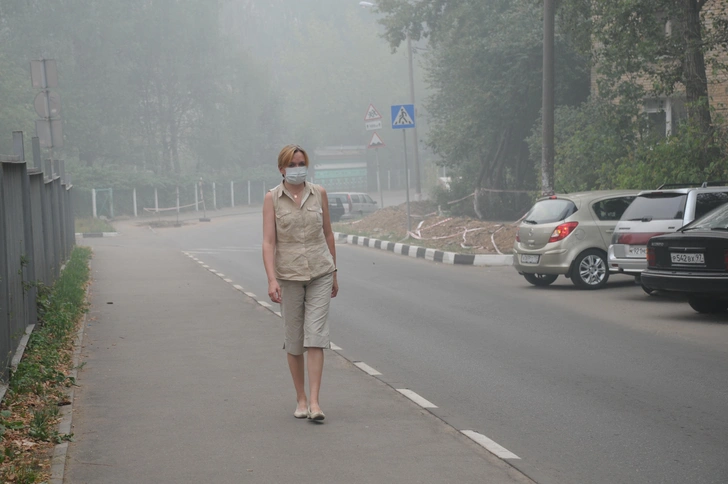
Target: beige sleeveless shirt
(301,250)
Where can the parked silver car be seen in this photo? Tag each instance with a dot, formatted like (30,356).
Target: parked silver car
(355,203)
(569,235)
(656,212)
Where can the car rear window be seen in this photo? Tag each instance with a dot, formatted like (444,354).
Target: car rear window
(708,201)
(551,210)
(715,220)
(656,206)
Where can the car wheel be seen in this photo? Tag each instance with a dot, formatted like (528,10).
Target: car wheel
(707,305)
(540,279)
(590,270)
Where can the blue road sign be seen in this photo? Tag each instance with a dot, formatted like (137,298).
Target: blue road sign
(403,116)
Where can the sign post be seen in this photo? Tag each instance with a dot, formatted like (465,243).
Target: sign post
(403,117)
(376,142)
(47,104)
(372,122)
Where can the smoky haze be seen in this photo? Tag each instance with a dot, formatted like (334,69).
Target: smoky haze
(174,87)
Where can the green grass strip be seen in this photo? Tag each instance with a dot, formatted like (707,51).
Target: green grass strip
(30,409)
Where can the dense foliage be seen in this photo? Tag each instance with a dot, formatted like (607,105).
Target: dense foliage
(485,73)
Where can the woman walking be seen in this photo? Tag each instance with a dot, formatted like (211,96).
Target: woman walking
(299,255)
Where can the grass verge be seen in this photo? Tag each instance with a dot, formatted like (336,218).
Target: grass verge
(92,225)
(29,412)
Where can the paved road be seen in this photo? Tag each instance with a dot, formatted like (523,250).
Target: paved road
(611,386)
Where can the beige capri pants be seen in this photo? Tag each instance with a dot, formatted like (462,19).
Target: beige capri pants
(305,311)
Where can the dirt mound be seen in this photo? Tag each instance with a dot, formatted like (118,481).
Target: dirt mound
(434,230)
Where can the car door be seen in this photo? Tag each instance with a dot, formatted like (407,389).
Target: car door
(606,213)
(369,204)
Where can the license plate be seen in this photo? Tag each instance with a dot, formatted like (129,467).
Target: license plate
(637,251)
(529,259)
(687,258)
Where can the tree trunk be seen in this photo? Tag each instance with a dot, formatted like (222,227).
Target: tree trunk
(694,75)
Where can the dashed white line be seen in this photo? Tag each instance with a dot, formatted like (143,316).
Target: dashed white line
(491,446)
(278,313)
(250,294)
(229,281)
(205,266)
(416,398)
(334,347)
(264,304)
(239,287)
(366,368)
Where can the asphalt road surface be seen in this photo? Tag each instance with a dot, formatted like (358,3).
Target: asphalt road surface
(609,386)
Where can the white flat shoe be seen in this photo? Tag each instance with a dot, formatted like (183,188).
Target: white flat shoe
(316,416)
(300,413)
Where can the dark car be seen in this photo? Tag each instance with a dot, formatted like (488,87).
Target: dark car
(693,262)
(336,209)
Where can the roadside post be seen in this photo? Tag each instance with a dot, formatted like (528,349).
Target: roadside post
(403,117)
(372,122)
(376,143)
(204,209)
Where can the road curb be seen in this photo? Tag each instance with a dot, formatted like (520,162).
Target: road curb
(60,451)
(96,234)
(425,253)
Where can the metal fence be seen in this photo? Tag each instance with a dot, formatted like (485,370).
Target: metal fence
(36,238)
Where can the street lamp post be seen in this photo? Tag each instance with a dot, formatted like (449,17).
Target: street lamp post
(418,184)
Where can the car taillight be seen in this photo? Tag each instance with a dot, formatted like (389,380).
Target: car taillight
(651,257)
(562,231)
(634,238)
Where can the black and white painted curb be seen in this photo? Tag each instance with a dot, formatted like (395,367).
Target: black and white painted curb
(427,254)
(480,439)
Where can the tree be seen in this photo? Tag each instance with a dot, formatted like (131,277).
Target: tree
(652,48)
(485,72)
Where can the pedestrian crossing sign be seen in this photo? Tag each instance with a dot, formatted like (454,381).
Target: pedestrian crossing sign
(403,116)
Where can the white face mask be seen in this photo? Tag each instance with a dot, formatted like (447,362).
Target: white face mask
(296,175)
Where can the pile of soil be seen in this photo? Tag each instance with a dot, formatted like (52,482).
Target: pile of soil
(434,230)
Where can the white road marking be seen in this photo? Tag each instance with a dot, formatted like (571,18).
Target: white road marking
(416,398)
(264,304)
(334,347)
(239,287)
(278,313)
(220,274)
(205,266)
(491,446)
(366,368)
(250,294)
(229,281)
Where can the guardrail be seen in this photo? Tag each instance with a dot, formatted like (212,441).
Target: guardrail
(36,238)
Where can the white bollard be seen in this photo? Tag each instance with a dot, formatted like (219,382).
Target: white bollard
(232,194)
(156,200)
(214,196)
(248,192)
(93,203)
(133,196)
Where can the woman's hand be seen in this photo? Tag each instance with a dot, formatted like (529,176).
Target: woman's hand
(274,291)
(335,287)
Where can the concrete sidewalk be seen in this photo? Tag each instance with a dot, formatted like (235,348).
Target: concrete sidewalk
(185,382)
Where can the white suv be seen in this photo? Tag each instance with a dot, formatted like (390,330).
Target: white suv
(656,212)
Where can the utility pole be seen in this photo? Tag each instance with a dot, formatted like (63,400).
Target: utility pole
(547,120)
(418,184)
